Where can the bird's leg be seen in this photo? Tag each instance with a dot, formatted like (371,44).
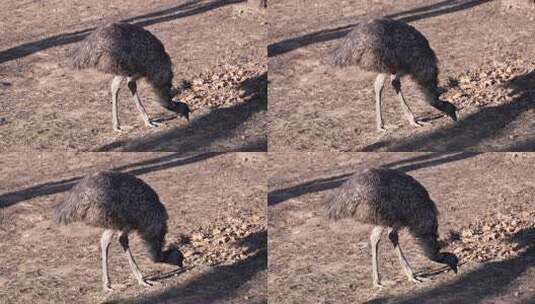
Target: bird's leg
(115,86)
(375,237)
(123,239)
(105,241)
(379,85)
(133,89)
(396,84)
(393,236)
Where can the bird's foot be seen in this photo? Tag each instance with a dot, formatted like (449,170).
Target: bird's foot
(121,129)
(381,128)
(416,279)
(147,283)
(107,287)
(416,124)
(383,283)
(152,124)
(419,123)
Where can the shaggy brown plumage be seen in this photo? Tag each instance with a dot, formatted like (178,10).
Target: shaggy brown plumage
(391,47)
(129,52)
(393,199)
(120,202)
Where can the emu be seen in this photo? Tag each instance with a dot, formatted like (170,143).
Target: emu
(120,202)
(130,52)
(391,47)
(391,199)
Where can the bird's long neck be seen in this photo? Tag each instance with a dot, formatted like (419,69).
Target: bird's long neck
(432,93)
(164,97)
(430,89)
(431,248)
(154,245)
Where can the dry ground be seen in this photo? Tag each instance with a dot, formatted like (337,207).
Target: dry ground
(216,205)
(314,106)
(217,45)
(486,204)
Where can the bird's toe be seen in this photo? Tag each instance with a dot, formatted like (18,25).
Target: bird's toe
(416,124)
(147,283)
(152,124)
(123,129)
(419,123)
(416,279)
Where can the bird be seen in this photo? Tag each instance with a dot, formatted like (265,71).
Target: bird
(390,199)
(120,203)
(395,48)
(130,53)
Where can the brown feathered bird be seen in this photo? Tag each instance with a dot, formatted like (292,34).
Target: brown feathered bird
(391,199)
(120,202)
(130,52)
(392,47)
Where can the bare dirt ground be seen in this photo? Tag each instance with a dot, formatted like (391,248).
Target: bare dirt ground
(314,106)
(218,46)
(216,205)
(487,211)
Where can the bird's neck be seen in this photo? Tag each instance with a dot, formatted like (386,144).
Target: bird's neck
(440,258)
(164,99)
(154,246)
(431,248)
(431,93)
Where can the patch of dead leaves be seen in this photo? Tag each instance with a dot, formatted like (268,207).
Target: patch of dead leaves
(493,238)
(221,87)
(487,85)
(228,241)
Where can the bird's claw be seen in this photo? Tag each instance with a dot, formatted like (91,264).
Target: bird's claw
(416,124)
(147,283)
(419,123)
(121,129)
(152,124)
(416,279)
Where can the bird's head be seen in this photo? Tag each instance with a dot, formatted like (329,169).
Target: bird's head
(451,260)
(449,109)
(432,93)
(173,256)
(181,108)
